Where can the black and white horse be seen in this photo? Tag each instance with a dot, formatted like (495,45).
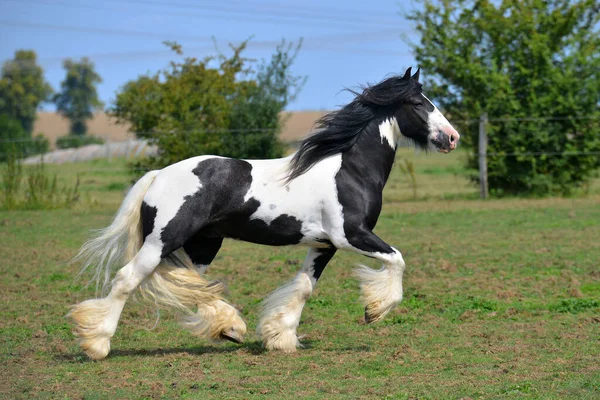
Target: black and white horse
(327,197)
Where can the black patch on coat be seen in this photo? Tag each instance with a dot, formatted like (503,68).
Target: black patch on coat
(218,210)
(148,215)
(202,249)
(320,262)
(360,181)
(283,230)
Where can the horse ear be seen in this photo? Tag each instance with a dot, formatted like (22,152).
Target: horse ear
(416,75)
(407,73)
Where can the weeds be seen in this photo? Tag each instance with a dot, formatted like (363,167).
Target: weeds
(408,168)
(574,306)
(11,181)
(40,191)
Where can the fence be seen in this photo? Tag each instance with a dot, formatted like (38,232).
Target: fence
(134,148)
(483,153)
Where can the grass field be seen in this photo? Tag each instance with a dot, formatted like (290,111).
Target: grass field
(502,301)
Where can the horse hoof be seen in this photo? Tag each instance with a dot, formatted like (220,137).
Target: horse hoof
(370,317)
(232,336)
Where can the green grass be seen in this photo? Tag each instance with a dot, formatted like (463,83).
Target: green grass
(502,301)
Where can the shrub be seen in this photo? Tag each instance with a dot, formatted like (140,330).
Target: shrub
(533,68)
(230,107)
(75,141)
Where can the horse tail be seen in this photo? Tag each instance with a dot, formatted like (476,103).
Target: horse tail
(121,240)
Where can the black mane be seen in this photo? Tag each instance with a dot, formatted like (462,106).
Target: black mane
(339,130)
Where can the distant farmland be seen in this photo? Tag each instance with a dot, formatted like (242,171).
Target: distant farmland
(297,125)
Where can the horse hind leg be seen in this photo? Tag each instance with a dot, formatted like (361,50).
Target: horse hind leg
(96,320)
(178,283)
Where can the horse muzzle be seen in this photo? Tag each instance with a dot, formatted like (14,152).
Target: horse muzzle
(446,140)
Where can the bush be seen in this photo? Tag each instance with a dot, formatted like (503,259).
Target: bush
(193,108)
(75,141)
(533,68)
(540,157)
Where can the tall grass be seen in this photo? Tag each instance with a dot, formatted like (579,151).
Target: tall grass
(408,168)
(32,188)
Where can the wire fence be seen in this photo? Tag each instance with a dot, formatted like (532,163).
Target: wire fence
(134,147)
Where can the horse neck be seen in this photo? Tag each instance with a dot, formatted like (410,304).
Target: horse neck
(372,157)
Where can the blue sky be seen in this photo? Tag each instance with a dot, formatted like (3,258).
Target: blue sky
(346,43)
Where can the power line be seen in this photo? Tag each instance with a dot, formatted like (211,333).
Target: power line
(272,9)
(103,31)
(262,6)
(224,13)
(158,53)
(367,35)
(314,43)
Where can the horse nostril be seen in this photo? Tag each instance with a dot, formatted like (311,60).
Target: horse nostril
(452,138)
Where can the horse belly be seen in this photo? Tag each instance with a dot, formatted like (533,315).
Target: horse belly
(283,230)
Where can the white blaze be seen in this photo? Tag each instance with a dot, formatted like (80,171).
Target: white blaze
(436,121)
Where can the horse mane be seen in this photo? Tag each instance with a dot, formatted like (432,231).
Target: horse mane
(339,130)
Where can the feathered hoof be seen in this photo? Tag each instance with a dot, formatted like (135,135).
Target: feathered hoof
(278,339)
(96,349)
(89,318)
(229,325)
(233,336)
(376,312)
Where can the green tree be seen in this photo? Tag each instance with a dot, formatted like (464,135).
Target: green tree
(22,89)
(78,97)
(216,105)
(532,65)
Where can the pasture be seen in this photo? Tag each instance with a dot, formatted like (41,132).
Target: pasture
(502,301)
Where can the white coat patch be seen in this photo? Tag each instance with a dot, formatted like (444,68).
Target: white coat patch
(316,205)
(390,131)
(178,181)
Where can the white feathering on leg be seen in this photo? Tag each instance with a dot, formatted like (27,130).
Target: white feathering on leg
(215,320)
(281,314)
(90,318)
(381,290)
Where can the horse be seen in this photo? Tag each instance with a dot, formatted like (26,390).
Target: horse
(327,196)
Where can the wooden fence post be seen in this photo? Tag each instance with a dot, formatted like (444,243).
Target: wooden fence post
(483,177)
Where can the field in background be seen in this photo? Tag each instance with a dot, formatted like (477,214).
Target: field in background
(297,124)
(502,300)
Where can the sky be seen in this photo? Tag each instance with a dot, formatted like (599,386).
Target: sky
(346,42)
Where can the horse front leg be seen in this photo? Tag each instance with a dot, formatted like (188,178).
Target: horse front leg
(381,290)
(283,307)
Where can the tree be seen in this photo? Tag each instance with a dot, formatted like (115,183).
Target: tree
(22,89)
(217,105)
(532,65)
(78,96)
